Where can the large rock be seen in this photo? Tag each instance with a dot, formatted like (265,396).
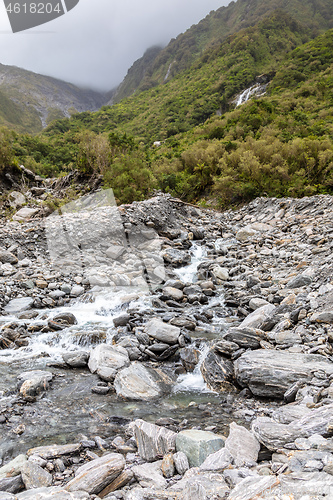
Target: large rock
(275,435)
(254,487)
(16,199)
(322,317)
(161,331)
(55,450)
(198,445)
(150,475)
(34,382)
(34,476)
(258,317)
(269,373)
(243,446)
(141,383)
(51,493)
(199,485)
(218,372)
(107,360)
(152,440)
(218,461)
(94,476)
(19,305)
(13,468)
(246,337)
(175,257)
(252,230)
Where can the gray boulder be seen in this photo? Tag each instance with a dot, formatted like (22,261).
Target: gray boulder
(163,332)
(107,360)
(152,440)
(198,445)
(270,373)
(141,383)
(218,372)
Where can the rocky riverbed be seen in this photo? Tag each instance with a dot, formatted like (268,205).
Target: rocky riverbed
(162,351)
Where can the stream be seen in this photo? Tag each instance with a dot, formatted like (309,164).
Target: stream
(69,409)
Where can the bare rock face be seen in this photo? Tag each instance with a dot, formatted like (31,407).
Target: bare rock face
(269,373)
(94,476)
(141,383)
(107,360)
(153,441)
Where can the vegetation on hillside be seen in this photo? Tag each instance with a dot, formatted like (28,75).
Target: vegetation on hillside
(280,144)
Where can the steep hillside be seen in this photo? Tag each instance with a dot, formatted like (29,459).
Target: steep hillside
(205,89)
(181,52)
(29,101)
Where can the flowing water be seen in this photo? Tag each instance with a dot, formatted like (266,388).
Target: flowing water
(69,407)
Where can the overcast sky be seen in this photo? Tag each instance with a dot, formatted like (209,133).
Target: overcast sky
(95,43)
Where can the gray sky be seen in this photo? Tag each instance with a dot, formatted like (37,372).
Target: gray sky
(94,44)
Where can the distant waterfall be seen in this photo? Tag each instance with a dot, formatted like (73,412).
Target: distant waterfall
(255,90)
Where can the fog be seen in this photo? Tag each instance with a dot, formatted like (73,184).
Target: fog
(95,43)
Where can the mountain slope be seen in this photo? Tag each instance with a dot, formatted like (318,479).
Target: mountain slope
(181,52)
(29,101)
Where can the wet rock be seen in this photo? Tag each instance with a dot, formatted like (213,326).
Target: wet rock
(76,359)
(162,332)
(270,373)
(34,383)
(172,293)
(243,446)
(55,450)
(107,360)
(198,445)
(246,337)
(94,476)
(175,257)
(121,320)
(189,358)
(65,319)
(34,476)
(152,440)
(141,383)
(218,372)
(19,305)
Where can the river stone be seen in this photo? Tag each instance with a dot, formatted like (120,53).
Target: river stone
(322,317)
(13,468)
(141,383)
(76,359)
(19,305)
(52,493)
(254,487)
(197,445)
(65,319)
(243,446)
(124,478)
(246,337)
(7,257)
(121,320)
(257,318)
(34,476)
(175,257)
(55,450)
(115,251)
(275,435)
(270,373)
(299,281)
(181,462)
(152,440)
(16,199)
(316,485)
(34,382)
(221,273)
(218,372)
(161,331)
(173,293)
(94,476)
(25,213)
(256,303)
(218,461)
(11,485)
(150,475)
(106,360)
(200,485)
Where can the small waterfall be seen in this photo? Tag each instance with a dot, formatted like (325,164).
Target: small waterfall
(193,381)
(187,274)
(255,90)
